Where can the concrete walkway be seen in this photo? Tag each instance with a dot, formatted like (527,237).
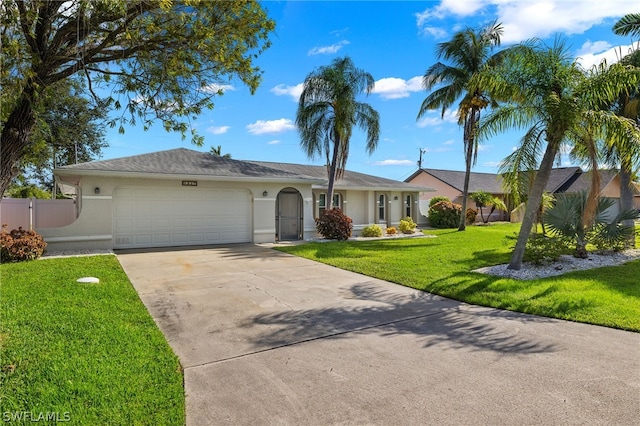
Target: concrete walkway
(269,338)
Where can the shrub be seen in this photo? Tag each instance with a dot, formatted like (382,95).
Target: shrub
(542,249)
(392,230)
(19,245)
(445,214)
(334,225)
(565,219)
(372,231)
(437,199)
(407,225)
(470,215)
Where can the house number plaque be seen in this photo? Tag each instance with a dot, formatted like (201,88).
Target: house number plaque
(189,183)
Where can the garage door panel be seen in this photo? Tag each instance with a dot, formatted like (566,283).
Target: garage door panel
(156,217)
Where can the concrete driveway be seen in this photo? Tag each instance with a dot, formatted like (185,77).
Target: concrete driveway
(269,338)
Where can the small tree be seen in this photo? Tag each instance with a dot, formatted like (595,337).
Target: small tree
(484,199)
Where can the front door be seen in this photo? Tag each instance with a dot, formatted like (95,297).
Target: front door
(289,215)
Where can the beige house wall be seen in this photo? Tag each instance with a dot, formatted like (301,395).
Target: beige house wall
(362,207)
(612,189)
(94,225)
(441,189)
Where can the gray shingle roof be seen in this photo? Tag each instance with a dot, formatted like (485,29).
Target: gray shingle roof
(348,180)
(559,179)
(583,181)
(182,161)
(477,181)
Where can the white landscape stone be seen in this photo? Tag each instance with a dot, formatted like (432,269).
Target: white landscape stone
(89,280)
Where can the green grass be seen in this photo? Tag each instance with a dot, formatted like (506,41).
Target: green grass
(607,296)
(88,352)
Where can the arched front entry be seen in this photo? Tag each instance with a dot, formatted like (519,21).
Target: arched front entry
(289,219)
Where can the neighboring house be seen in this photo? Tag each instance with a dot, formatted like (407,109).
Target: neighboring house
(449,183)
(184,197)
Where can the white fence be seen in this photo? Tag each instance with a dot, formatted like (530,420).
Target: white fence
(33,213)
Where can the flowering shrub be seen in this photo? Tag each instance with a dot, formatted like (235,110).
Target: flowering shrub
(407,225)
(437,199)
(470,216)
(445,214)
(19,245)
(372,231)
(334,225)
(392,230)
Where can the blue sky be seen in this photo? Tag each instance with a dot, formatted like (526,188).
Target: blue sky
(395,42)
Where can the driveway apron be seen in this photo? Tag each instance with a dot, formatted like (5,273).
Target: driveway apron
(269,338)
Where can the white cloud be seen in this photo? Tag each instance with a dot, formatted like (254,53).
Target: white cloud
(328,50)
(396,88)
(484,148)
(394,163)
(293,91)
(434,119)
(274,142)
(492,164)
(593,47)
(537,18)
(435,32)
(449,142)
(261,127)
(544,18)
(339,33)
(449,7)
(221,88)
(218,130)
(611,55)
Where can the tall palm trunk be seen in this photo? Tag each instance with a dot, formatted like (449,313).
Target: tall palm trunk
(470,125)
(626,199)
(533,203)
(465,188)
(332,174)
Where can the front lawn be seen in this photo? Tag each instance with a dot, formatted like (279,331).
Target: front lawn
(84,353)
(607,296)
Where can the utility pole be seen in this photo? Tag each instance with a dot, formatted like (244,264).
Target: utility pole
(422,151)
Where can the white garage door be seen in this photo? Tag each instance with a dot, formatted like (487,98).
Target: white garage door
(160,217)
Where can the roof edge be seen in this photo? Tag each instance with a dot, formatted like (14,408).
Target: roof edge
(166,176)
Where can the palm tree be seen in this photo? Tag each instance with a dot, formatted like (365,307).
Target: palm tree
(627,105)
(629,24)
(469,51)
(565,219)
(328,111)
(217,152)
(549,94)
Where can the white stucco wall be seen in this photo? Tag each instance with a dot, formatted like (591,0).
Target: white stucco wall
(362,207)
(94,226)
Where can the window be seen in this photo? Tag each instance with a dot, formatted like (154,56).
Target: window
(337,200)
(408,201)
(322,203)
(382,207)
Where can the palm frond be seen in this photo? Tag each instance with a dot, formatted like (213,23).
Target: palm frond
(628,25)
